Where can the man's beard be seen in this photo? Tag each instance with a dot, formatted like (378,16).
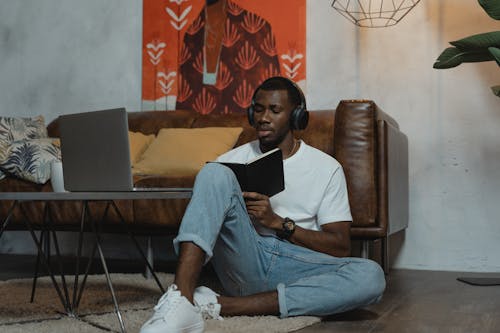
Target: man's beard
(268,145)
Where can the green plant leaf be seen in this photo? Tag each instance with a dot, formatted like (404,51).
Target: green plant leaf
(496,90)
(452,57)
(495,52)
(491,7)
(478,41)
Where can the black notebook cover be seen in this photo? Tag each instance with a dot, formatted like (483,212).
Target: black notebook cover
(263,174)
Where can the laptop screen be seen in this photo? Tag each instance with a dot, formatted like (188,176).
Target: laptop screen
(95,151)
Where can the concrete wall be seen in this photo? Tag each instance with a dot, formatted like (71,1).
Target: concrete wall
(70,56)
(62,56)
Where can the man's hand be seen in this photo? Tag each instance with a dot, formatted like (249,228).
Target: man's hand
(259,207)
(333,238)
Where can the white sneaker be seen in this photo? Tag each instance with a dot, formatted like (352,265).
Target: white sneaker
(174,314)
(206,299)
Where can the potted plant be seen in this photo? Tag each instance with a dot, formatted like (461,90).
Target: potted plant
(476,48)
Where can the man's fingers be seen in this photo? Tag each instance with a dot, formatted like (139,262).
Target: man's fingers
(255,203)
(254,196)
(253,210)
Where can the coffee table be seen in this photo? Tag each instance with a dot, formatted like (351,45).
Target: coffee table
(71,305)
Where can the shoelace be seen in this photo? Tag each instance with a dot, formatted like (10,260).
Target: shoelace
(209,311)
(170,299)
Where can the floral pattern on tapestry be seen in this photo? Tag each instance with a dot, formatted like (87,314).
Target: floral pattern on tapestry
(209,56)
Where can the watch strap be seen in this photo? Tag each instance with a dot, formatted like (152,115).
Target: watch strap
(288,228)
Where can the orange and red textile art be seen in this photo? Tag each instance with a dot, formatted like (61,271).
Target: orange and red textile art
(210,55)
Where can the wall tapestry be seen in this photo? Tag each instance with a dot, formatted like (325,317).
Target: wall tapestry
(210,55)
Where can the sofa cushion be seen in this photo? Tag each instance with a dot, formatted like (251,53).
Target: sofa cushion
(184,151)
(14,128)
(138,144)
(30,159)
(229,120)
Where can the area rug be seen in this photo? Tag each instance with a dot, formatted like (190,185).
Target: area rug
(136,296)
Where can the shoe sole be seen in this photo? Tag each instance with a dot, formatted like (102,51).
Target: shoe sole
(198,328)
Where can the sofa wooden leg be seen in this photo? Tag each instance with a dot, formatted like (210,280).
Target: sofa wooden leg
(365,249)
(385,254)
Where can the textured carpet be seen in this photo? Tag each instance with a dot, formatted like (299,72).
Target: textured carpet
(136,296)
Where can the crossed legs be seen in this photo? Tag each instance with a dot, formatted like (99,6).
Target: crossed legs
(186,278)
(263,275)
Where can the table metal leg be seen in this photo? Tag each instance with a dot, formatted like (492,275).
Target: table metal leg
(110,286)
(45,237)
(8,217)
(76,301)
(37,267)
(59,260)
(150,258)
(138,246)
(79,254)
(71,306)
(84,280)
(108,277)
(44,259)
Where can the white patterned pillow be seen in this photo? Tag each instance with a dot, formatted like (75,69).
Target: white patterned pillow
(4,148)
(30,159)
(14,129)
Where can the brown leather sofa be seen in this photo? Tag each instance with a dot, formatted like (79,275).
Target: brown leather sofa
(364,139)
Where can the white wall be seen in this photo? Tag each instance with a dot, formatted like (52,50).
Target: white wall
(68,56)
(451,118)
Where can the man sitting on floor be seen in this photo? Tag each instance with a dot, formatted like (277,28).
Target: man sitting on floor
(285,255)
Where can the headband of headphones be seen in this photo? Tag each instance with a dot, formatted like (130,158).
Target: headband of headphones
(299,116)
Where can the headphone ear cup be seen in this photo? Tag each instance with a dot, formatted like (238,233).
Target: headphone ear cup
(299,118)
(294,117)
(304,119)
(250,115)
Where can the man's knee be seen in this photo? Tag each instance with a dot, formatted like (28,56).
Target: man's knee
(374,280)
(216,174)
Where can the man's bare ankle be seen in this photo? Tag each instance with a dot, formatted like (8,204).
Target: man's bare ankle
(186,292)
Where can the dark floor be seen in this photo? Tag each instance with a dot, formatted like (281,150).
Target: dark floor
(415,301)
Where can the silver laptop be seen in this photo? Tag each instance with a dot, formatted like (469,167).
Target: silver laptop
(95,152)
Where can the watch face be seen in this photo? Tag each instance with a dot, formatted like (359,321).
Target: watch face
(289,225)
(288,228)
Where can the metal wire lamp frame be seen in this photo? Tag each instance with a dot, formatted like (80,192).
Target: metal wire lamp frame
(374,13)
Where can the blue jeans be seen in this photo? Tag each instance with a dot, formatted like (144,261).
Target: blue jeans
(308,282)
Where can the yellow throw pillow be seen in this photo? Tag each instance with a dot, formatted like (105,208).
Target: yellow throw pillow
(138,144)
(184,151)
(56,142)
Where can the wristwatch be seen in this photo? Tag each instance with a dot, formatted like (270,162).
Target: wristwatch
(288,228)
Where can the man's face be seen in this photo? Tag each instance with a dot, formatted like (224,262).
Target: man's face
(272,110)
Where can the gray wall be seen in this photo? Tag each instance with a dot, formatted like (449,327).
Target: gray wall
(61,56)
(66,56)
(70,56)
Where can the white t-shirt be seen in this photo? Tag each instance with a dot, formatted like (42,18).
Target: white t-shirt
(315,187)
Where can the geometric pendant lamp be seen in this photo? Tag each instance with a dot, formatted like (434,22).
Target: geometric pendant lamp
(374,13)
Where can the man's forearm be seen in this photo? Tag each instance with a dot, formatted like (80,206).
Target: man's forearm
(334,244)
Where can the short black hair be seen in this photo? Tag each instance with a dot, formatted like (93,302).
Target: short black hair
(295,96)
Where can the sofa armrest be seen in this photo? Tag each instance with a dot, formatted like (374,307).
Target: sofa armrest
(356,149)
(374,155)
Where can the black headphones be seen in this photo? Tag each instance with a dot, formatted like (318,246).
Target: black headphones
(299,117)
